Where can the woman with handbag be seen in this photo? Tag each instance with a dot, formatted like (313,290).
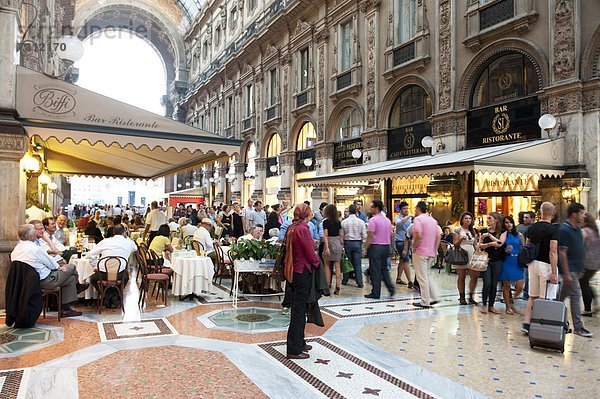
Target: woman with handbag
(489,240)
(511,269)
(591,264)
(465,237)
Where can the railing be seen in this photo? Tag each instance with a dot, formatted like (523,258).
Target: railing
(344,80)
(302,99)
(496,13)
(404,54)
(271,112)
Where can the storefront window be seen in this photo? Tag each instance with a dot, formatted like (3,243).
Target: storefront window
(408,123)
(350,126)
(274,148)
(506,78)
(412,105)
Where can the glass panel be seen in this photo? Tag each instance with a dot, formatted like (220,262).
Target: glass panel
(307,137)
(350,125)
(303,69)
(480,96)
(412,105)
(406,15)
(345,45)
(274,148)
(272,86)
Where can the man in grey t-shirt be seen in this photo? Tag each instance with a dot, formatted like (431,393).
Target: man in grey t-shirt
(257,216)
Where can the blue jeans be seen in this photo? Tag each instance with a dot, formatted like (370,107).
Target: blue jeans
(378,256)
(490,282)
(353,251)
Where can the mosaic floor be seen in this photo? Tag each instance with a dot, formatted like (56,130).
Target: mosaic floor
(203,348)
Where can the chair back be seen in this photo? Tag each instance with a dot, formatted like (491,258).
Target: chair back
(444,247)
(197,246)
(143,248)
(111,266)
(219,254)
(142,263)
(156,264)
(187,241)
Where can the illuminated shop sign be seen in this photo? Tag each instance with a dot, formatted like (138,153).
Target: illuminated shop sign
(404,142)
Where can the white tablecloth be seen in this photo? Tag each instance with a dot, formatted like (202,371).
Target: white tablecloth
(183,253)
(192,275)
(85,271)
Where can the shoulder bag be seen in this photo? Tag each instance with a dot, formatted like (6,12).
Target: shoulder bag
(457,256)
(345,265)
(479,261)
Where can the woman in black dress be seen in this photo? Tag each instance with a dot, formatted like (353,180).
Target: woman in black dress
(236,221)
(272,223)
(226,221)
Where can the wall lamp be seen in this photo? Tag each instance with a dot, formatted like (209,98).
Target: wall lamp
(570,192)
(31,165)
(309,161)
(428,142)
(274,168)
(548,122)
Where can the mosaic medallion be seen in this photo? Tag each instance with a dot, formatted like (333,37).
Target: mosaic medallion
(111,331)
(248,320)
(17,339)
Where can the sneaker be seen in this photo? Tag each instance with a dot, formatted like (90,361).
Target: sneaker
(587,313)
(583,332)
(525,329)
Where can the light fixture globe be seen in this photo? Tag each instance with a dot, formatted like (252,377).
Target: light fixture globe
(273,168)
(308,162)
(547,122)
(69,48)
(52,186)
(30,164)
(247,174)
(356,153)
(44,178)
(212,180)
(427,142)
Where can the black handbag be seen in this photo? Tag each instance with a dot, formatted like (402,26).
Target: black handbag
(457,256)
(527,254)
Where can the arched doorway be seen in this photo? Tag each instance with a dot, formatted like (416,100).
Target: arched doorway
(305,161)
(273,181)
(504,109)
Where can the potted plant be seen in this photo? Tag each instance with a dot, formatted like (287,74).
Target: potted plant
(251,253)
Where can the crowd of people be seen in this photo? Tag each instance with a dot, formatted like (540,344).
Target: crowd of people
(570,249)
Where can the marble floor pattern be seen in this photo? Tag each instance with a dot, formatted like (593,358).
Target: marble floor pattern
(367,349)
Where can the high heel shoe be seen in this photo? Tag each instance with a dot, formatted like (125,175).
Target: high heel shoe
(337,291)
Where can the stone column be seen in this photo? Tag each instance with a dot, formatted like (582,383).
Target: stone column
(371,11)
(13,142)
(260,180)
(318,195)
(208,174)
(324,158)
(236,185)
(287,165)
(374,146)
(221,182)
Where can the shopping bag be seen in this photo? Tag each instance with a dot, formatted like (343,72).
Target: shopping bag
(346,265)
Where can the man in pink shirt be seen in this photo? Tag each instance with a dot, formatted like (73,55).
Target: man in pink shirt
(379,236)
(426,240)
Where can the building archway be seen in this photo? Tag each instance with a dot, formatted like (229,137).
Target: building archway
(305,163)
(273,172)
(590,61)
(156,23)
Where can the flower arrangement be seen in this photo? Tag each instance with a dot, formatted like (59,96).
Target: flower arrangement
(253,249)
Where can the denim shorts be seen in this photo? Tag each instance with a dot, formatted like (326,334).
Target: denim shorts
(400,248)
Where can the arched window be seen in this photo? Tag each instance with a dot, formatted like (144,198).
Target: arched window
(350,125)
(506,78)
(413,105)
(307,137)
(274,147)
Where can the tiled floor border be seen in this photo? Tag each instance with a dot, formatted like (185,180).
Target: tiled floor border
(327,390)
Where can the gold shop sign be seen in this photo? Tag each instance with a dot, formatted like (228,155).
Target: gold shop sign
(501,183)
(410,185)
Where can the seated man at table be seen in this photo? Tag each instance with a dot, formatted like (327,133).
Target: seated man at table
(61,228)
(50,228)
(118,245)
(52,275)
(202,235)
(256,233)
(186,228)
(43,241)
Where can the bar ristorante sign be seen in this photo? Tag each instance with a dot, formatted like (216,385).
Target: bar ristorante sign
(404,142)
(342,153)
(502,124)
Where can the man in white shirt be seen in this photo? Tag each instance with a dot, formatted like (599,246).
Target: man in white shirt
(51,229)
(117,211)
(61,226)
(256,233)
(154,220)
(202,235)
(173,225)
(34,213)
(52,275)
(246,215)
(186,228)
(257,216)
(118,245)
(129,213)
(355,233)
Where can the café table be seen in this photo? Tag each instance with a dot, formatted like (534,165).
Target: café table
(192,275)
(85,271)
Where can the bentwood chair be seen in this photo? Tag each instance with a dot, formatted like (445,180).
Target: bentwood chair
(197,246)
(57,292)
(160,279)
(224,266)
(443,250)
(107,272)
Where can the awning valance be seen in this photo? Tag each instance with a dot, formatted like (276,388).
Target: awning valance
(543,157)
(89,134)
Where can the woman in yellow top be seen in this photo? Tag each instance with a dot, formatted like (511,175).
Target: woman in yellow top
(161,242)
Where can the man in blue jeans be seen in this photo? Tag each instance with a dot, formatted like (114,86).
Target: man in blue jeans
(355,232)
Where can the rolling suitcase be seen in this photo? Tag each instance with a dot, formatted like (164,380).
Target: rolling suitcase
(548,324)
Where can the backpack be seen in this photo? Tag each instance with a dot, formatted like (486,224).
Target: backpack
(111,297)
(528,254)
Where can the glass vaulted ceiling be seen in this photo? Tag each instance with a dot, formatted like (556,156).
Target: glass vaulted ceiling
(191,7)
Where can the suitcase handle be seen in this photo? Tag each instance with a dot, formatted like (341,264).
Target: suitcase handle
(557,298)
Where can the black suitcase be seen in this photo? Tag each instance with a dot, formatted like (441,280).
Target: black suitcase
(548,325)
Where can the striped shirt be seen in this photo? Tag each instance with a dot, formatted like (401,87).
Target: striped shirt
(354,229)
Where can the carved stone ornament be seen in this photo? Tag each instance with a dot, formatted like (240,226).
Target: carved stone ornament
(12,143)
(321,95)
(240,4)
(445,52)
(324,35)
(591,100)
(564,40)
(324,151)
(301,27)
(284,112)
(287,158)
(371,74)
